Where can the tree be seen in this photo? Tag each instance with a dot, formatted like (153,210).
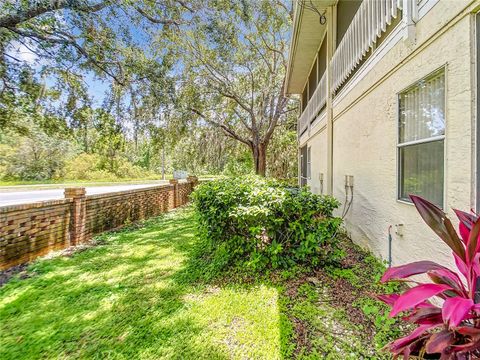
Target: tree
(110,139)
(234,57)
(169,70)
(88,32)
(67,39)
(36,156)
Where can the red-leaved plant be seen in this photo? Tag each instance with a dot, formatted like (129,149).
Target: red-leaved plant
(452,329)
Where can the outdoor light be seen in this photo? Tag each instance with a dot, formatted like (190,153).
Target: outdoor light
(310,6)
(323,19)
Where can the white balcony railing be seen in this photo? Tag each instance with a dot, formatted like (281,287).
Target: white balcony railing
(315,104)
(368,24)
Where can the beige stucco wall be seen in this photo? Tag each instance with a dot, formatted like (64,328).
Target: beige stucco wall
(318,145)
(365,136)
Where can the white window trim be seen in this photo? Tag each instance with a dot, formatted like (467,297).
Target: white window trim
(426,140)
(421,141)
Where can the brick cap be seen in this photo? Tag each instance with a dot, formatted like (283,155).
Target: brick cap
(74,192)
(173,181)
(192,178)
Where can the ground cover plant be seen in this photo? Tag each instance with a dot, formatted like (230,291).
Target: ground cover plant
(259,223)
(448,328)
(147,293)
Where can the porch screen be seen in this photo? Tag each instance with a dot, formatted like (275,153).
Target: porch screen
(421,139)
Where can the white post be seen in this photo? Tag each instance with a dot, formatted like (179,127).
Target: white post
(409,8)
(329,110)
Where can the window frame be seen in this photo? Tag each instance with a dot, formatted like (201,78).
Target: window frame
(309,162)
(432,139)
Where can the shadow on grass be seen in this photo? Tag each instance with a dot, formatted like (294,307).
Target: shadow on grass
(132,298)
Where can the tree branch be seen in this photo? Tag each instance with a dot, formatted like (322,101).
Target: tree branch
(229,132)
(155,20)
(38,8)
(68,40)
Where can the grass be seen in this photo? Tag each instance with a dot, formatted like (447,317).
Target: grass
(137,294)
(100,182)
(123,300)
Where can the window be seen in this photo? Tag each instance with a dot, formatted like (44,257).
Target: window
(421,139)
(309,163)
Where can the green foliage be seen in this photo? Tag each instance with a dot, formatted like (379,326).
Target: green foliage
(92,167)
(386,328)
(260,223)
(136,292)
(116,81)
(282,151)
(85,166)
(234,58)
(35,156)
(122,299)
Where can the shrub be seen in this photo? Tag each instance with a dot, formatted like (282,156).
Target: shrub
(452,329)
(84,166)
(260,223)
(91,167)
(127,170)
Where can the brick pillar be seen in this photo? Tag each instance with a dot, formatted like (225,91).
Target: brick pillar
(174,182)
(79,214)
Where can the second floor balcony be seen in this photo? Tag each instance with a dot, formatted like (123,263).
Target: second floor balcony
(358,27)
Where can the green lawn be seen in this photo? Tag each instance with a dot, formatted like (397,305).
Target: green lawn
(136,295)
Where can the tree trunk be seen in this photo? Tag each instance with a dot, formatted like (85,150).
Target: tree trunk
(259,152)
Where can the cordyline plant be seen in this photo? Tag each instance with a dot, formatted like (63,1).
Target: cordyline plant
(450,330)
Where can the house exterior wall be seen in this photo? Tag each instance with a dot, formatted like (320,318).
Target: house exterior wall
(365,118)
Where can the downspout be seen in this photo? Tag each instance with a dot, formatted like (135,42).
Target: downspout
(331,19)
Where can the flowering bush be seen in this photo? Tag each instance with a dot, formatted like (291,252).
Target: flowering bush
(450,330)
(262,223)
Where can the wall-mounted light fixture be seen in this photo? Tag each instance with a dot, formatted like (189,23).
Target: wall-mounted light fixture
(308,4)
(323,19)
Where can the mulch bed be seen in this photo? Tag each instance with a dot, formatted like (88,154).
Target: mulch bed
(340,293)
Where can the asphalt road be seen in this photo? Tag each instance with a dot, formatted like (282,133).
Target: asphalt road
(30,196)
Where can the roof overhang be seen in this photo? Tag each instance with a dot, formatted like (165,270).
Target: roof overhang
(307,34)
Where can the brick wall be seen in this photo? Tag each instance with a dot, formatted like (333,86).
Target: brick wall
(31,230)
(184,190)
(112,210)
